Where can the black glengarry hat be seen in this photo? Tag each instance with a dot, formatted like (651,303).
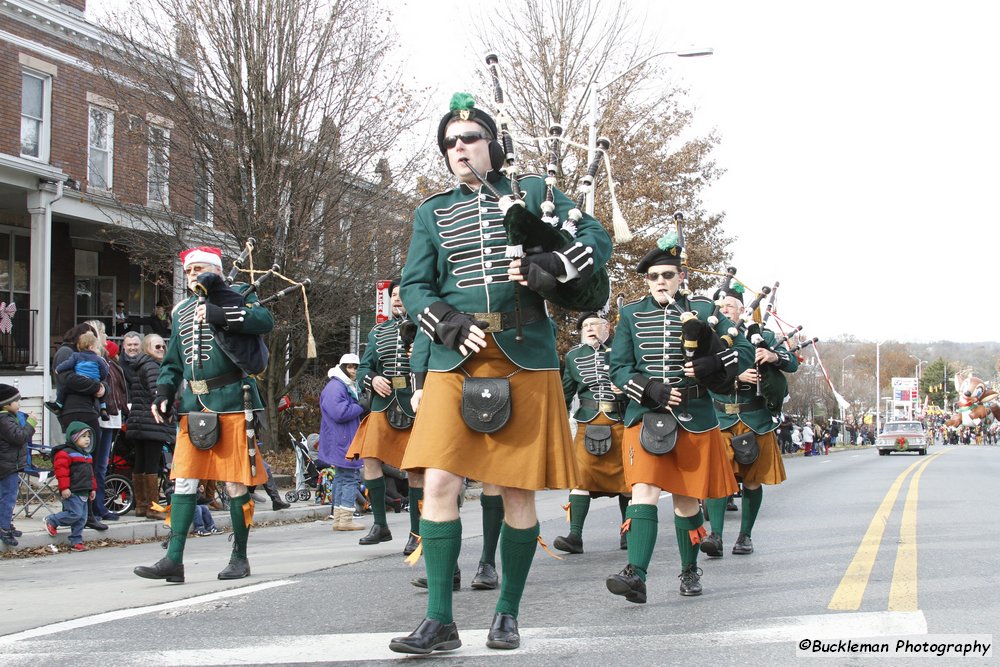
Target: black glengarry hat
(668,250)
(735,290)
(586,316)
(463,107)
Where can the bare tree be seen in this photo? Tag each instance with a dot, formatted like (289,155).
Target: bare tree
(285,124)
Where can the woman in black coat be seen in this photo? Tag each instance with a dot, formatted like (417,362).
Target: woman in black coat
(141,429)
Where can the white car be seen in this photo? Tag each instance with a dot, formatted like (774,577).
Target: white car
(902,436)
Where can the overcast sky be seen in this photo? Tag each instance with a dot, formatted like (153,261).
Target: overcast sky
(860,140)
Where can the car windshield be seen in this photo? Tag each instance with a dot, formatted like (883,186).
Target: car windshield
(903,427)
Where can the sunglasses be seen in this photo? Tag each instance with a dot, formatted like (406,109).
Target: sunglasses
(466,138)
(159,347)
(653,276)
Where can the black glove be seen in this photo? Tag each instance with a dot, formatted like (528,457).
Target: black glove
(542,271)
(717,371)
(164,393)
(455,328)
(215,315)
(658,392)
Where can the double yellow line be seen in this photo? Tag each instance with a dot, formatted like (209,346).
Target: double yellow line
(903,592)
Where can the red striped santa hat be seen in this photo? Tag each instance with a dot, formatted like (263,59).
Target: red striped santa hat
(201,255)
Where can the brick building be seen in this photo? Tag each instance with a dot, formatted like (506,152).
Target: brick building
(73,165)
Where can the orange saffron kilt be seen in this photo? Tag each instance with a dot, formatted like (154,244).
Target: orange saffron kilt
(376,439)
(227,461)
(769,468)
(533,451)
(600,473)
(697,467)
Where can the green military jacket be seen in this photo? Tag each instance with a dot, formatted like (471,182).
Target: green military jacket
(179,362)
(386,356)
(648,346)
(587,373)
(761,420)
(457,256)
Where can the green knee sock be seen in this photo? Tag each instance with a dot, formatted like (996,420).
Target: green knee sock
(181,517)
(716,509)
(441,540)
(416,495)
(241,531)
(376,496)
(517,550)
(683,525)
(492,519)
(578,508)
(751,505)
(641,536)
(623,502)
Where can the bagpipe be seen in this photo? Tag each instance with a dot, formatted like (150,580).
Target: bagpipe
(528,233)
(247,351)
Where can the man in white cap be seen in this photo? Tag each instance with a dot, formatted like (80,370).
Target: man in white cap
(214,440)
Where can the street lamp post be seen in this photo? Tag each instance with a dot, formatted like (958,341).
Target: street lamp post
(843,421)
(597,88)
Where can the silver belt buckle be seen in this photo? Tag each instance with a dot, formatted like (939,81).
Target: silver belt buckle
(198,387)
(732,408)
(607,406)
(399,382)
(492,321)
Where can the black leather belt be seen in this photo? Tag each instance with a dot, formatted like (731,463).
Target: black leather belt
(607,407)
(694,391)
(503,321)
(200,387)
(736,408)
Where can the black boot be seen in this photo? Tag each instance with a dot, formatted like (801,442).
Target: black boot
(238,568)
(93,522)
(377,534)
(628,583)
(162,569)
(570,544)
(271,489)
(486,578)
(411,545)
(429,636)
(503,632)
(456,581)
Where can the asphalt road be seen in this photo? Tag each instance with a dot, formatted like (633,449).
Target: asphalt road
(852,546)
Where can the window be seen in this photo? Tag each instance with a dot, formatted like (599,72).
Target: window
(15,278)
(158,182)
(36,92)
(203,196)
(100,157)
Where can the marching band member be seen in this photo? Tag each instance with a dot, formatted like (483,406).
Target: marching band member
(743,411)
(598,442)
(215,440)
(493,339)
(672,440)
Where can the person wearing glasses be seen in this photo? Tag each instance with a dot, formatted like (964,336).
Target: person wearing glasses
(463,288)
(210,387)
(121,324)
(142,431)
(672,440)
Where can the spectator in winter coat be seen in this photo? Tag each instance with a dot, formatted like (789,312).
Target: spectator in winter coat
(74,469)
(16,430)
(341,416)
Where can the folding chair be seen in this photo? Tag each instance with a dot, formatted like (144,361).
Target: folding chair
(37,487)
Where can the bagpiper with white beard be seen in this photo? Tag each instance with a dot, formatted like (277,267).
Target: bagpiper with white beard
(599,430)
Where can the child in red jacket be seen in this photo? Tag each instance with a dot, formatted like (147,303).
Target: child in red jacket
(74,469)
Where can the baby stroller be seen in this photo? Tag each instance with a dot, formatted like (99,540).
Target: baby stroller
(306,472)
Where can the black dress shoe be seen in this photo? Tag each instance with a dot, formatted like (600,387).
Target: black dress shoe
(376,534)
(623,542)
(238,568)
(411,545)
(628,583)
(711,546)
(690,580)
(486,578)
(503,632)
(570,544)
(456,581)
(731,505)
(95,524)
(162,569)
(743,546)
(429,636)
